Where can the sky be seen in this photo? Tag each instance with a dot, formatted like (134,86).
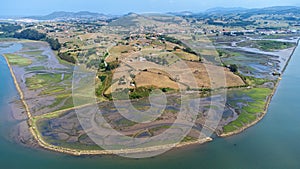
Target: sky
(44,7)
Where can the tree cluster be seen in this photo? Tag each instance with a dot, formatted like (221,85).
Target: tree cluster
(54,43)
(9,28)
(67,57)
(30,34)
(233,68)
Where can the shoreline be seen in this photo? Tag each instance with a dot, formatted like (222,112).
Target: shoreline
(269,99)
(35,133)
(31,122)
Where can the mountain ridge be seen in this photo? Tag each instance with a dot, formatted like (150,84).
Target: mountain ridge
(246,12)
(70,15)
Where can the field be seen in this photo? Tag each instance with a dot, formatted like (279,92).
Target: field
(186,56)
(148,79)
(119,52)
(211,76)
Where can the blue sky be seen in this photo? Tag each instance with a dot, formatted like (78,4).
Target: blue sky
(43,7)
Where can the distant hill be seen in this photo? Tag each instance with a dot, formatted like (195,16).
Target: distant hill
(217,10)
(70,15)
(130,19)
(267,10)
(183,13)
(272,10)
(243,12)
(225,10)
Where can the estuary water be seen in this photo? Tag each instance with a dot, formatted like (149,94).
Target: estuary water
(272,143)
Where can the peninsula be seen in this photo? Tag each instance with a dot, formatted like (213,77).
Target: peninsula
(236,65)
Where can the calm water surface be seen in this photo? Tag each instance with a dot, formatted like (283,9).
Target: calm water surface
(273,143)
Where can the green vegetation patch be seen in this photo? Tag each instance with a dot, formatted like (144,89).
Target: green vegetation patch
(52,90)
(67,56)
(106,80)
(125,122)
(14,59)
(188,139)
(35,68)
(253,81)
(256,81)
(33,53)
(64,99)
(224,53)
(253,106)
(164,127)
(267,45)
(137,93)
(43,80)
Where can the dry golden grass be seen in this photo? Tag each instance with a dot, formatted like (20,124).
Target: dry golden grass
(147,79)
(186,56)
(170,46)
(179,74)
(212,76)
(120,52)
(203,39)
(209,52)
(193,74)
